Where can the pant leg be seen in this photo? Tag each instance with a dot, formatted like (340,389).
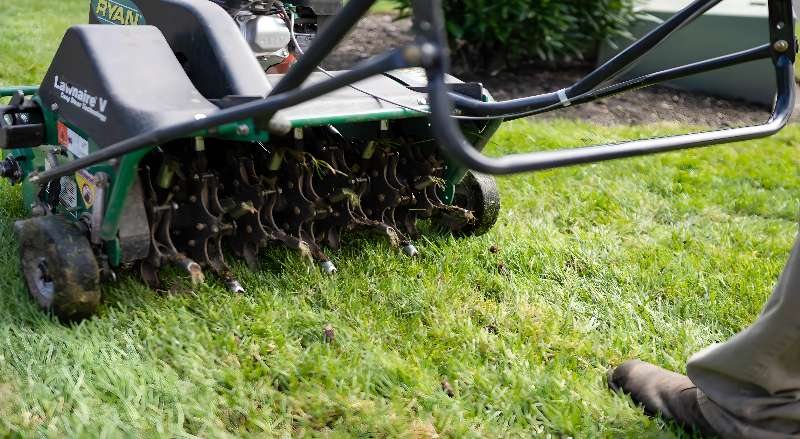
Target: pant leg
(749,386)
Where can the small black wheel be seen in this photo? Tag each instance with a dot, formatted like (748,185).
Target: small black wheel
(477,193)
(59,267)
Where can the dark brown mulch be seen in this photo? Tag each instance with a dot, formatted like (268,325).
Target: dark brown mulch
(378,33)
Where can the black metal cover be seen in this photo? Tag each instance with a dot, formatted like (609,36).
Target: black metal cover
(205,39)
(114,82)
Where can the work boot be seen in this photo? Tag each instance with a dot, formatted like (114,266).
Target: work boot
(660,391)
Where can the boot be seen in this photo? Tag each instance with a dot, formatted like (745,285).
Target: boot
(661,392)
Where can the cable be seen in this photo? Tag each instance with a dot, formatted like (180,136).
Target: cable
(566,102)
(330,75)
(289,18)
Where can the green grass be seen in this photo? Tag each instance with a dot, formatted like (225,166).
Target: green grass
(797,66)
(384,6)
(652,258)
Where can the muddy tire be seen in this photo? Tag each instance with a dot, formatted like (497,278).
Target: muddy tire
(477,193)
(59,267)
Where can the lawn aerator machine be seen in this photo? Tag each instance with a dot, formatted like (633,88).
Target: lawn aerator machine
(178,131)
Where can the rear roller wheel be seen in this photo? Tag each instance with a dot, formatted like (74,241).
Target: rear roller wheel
(478,194)
(59,267)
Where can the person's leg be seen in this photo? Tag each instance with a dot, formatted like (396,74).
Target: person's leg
(748,386)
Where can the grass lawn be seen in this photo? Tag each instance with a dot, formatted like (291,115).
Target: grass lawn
(384,6)
(652,258)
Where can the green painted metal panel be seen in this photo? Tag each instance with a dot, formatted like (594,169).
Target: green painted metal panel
(121,186)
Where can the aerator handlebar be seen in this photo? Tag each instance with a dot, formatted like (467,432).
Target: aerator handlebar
(430,52)
(781,49)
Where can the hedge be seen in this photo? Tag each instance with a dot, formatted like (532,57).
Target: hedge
(510,31)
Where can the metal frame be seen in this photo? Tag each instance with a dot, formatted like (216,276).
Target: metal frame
(782,49)
(430,52)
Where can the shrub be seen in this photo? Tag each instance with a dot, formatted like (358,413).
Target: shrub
(511,31)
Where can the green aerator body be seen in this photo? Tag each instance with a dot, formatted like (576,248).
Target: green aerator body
(361,159)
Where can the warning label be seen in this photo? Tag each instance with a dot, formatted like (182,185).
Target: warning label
(87,186)
(74,143)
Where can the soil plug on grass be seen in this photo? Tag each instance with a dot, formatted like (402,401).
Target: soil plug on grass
(330,333)
(501,268)
(447,388)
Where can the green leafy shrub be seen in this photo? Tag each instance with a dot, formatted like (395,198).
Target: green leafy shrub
(548,30)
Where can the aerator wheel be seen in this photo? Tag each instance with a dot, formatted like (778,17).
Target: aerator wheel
(59,267)
(477,193)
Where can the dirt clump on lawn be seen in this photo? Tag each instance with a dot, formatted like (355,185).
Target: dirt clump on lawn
(380,32)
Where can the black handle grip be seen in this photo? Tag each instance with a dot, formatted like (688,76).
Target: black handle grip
(21,124)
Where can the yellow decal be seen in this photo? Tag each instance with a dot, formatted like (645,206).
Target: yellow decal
(116,12)
(87,187)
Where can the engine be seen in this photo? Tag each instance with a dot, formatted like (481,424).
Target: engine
(276,31)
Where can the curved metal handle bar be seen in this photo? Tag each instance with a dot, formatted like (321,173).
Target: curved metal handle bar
(460,151)
(486,109)
(430,22)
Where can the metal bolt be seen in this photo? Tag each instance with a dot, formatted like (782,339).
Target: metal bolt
(296,210)
(192,243)
(54,107)
(249,230)
(193,198)
(200,227)
(781,46)
(429,54)
(243,130)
